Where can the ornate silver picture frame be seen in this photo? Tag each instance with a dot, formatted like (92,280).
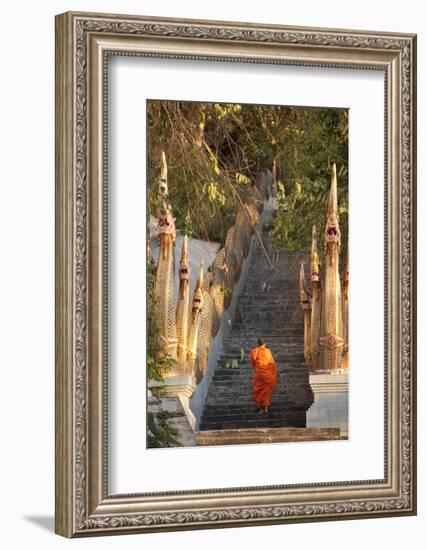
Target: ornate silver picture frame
(84,42)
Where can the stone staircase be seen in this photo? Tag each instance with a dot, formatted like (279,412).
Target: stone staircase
(268,307)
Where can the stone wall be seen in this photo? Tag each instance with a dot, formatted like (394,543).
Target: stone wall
(178,418)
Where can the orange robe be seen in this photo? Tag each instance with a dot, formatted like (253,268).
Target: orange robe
(265,375)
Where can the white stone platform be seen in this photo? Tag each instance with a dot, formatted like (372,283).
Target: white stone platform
(181,386)
(330,407)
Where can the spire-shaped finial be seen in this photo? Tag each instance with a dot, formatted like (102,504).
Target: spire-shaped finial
(198,294)
(184,264)
(315,276)
(301,277)
(165,221)
(303,292)
(313,240)
(332,230)
(163,180)
(333,195)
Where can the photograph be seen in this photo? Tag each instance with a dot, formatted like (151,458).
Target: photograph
(247,273)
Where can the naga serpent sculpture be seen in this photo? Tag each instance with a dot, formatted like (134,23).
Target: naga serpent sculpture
(185,330)
(326,309)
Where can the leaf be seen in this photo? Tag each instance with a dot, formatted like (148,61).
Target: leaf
(281,190)
(242,179)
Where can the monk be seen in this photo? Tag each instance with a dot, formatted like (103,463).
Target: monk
(264,376)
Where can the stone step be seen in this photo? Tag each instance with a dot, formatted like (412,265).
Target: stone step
(276,410)
(292,420)
(273,343)
(240,403)
(273,333)
(244,396)
(266,435)
(221,400)
(283,359)
(274,312)
(248,374)
(237,385)
(249,371)
(249,412)
(254,416)
(244,387)
(283,377)
(294,366)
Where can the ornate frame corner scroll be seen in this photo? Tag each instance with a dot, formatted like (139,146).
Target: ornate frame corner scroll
(83,43)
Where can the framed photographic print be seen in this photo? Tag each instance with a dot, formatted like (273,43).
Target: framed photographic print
(235,274)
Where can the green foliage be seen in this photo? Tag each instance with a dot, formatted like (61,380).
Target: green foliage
(316,139)
(214,152)
(213,156)
(213,192)
(161,432)
(242,179)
